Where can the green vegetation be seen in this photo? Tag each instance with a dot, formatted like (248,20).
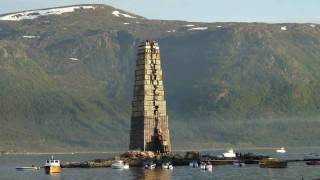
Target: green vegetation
(239,84)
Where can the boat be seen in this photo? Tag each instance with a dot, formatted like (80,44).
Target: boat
(229,154)
(150,165)
(126,166)
(52,166)
(316,162)
(194,164)
(239,163)
(206,166)
(203,166)
(273,163)
(312,157)
(22,168)
(209,167)
(167,166)
(281,150)
(119,164)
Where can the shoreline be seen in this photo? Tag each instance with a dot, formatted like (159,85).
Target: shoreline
(178,150)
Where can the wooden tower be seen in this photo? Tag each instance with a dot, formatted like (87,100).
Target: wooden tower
(149,119)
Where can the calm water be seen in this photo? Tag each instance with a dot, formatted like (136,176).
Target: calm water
(294,170)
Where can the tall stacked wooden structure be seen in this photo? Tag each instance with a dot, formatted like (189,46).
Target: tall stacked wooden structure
(149,119)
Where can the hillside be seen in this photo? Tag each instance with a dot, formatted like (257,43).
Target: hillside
(66,80)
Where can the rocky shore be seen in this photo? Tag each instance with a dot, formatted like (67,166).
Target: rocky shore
(137,159)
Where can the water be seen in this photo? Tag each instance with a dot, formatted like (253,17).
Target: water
(295,170)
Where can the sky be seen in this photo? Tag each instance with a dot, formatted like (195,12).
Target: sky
(272,11)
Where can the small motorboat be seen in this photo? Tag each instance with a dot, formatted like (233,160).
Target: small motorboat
(312,157)
(150,165)
(126,166)
(239,163)
(281,150)
(203,166)
(194,164)
(167,166)
(273,163)
(27,168)
(229,154)
(52,166)
(209,167)
(119,164)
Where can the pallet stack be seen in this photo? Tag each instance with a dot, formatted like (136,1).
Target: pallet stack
(149,119)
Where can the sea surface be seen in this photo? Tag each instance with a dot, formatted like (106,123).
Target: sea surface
(295,170)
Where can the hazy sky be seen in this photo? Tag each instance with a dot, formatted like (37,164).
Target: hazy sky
(196,10)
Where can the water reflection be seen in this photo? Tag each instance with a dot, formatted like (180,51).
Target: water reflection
(55,176)
(146,174)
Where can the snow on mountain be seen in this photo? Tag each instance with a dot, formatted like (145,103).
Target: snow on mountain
(74,59)
(30,37)
(198,28)
(283,28)
(118,14)
(44,12)
(189,25)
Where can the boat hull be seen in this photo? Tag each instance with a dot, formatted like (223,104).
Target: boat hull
(313,163)
(52,169)
(273,164)
(27,168)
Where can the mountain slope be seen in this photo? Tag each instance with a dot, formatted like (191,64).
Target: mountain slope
(67,78)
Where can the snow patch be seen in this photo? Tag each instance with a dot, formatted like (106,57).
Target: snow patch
(118,14)
(44,12)
(74,59)
(283,28)
(198,28)
(189,25)
(31,37)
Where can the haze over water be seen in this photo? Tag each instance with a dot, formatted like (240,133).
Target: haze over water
(295,170)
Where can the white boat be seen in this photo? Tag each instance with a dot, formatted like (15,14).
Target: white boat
(209,167)
(203,166)
(194,164)
(281,150)
(167,166)
(119,164)
(239,164)
(22,168)
(229,154)
(126,166)
(150,166)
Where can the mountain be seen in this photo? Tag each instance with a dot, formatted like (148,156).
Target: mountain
(66,80)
